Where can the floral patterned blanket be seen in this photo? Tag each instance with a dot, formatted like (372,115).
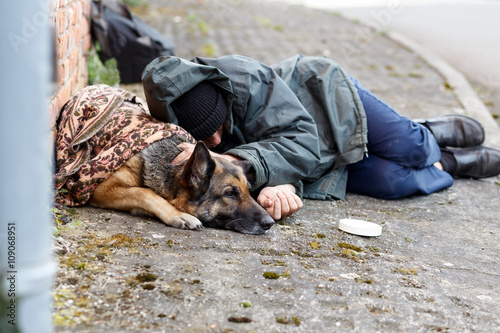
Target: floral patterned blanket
(99,129)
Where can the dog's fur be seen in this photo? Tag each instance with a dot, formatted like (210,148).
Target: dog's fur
(202,191)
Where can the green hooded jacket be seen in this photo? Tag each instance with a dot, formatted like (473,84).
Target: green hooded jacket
(298,122)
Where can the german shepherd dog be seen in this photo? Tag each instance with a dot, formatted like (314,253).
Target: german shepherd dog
(202,191)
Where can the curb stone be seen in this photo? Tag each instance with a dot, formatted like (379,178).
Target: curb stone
(470,101)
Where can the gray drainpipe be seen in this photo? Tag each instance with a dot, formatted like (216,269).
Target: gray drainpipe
(26,264)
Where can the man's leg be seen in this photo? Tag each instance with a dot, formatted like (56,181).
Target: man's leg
(381,178)
(394,137)
(401,154)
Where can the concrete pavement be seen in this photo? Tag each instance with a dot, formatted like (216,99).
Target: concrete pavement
(435,267)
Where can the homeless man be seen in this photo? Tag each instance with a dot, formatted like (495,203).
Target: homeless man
(309,129)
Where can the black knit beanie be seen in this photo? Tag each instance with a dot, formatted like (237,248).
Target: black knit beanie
(201,111)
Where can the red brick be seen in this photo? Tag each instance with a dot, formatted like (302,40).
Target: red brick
(87,8)
(77,14)
(63,3)
(60,75)
(85,26)
(65,94)
(78,34)
(73,76)
(62,20)
(73,60)
(67,69)
(70,12)
(82,74)
(88,43)
(62,46)
(71,40)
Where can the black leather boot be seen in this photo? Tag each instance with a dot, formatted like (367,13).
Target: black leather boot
(476,162)
(455,130)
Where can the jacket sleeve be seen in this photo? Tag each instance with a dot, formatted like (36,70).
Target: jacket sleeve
(281,138)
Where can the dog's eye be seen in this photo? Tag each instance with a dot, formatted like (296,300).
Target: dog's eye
(231,193)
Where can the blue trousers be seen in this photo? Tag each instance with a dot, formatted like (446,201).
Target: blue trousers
(401,154)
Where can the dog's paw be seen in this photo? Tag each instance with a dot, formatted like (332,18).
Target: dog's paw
(187,221)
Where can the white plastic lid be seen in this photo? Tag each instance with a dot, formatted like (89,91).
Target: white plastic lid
(360,227)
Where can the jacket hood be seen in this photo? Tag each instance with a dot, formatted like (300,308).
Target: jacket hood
(167,78)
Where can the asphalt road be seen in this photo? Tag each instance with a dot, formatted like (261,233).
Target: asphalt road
(463,33)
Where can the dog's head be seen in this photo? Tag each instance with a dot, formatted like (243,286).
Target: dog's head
(219,196)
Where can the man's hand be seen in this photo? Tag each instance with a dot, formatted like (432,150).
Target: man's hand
(188,151)
(279,201)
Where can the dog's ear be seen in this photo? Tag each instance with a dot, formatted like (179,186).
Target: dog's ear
(199,169)
(248,169)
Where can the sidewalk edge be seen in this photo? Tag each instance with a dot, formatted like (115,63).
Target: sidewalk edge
(465,94)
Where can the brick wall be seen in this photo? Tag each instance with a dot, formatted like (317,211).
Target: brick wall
(71,21)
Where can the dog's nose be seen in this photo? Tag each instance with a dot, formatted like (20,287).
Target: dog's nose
(267,222)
